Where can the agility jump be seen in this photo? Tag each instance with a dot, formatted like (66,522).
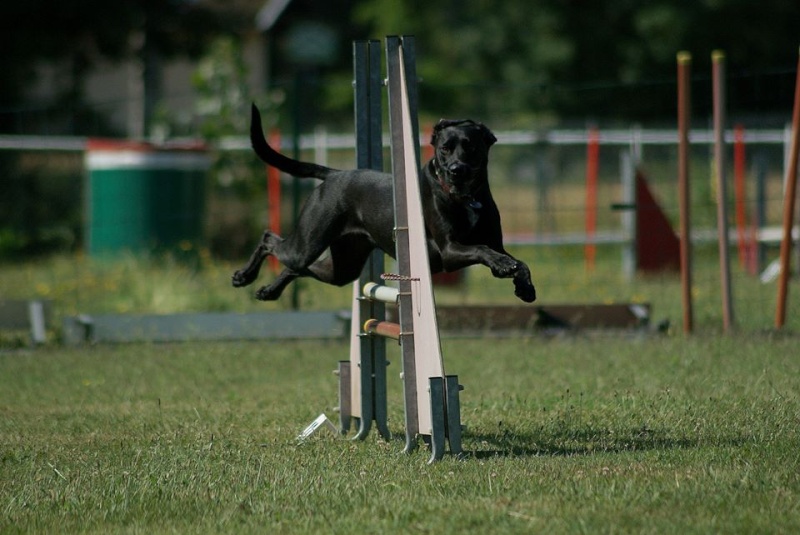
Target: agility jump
(431,401)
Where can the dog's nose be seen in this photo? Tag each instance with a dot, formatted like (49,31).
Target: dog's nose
(457,169)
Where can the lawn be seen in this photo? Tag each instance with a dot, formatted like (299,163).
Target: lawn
(576,434)
(130,284)
(586,432)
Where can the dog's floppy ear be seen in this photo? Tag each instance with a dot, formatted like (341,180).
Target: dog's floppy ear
(487,135)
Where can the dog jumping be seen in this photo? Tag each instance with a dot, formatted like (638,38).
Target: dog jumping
(351,213)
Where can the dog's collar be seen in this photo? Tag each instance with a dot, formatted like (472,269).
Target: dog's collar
(437,170)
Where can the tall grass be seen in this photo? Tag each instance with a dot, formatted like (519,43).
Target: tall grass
(161,285)
(588,434)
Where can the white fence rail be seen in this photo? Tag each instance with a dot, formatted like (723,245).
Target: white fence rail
(322,140)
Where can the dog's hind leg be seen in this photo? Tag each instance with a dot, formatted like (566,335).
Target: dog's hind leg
(249,272)
(348,254)
(342,265)
(274,290)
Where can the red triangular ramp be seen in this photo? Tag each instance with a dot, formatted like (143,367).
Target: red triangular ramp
(657,245)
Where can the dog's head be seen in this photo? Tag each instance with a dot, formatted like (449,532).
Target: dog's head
(461,156)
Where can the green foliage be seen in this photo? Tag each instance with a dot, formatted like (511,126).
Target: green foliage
(522,60)
(513,62)
(141,284)
(223,99)
(223,106)
(39,204)
(79,35)
(586,435)
(223,110)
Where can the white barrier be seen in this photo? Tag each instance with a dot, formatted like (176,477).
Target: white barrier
(432,409)
(378,292)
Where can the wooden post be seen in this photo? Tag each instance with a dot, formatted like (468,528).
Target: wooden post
(788,209)
(718,90)
(385,329)
(684,113)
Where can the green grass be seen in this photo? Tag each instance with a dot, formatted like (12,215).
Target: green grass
(161,285)
(583,434)
(586,433)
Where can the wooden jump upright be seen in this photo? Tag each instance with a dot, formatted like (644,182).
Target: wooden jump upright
(431,398)
(362,378)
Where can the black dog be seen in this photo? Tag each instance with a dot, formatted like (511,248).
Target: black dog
(351,213)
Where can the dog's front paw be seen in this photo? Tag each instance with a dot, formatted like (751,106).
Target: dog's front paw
(525,290)
(505,267)
(523,285)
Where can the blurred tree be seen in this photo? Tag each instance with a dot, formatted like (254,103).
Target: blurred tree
(39,205)
(517,58)
(79,34)
(604,59)
(221,83)
(223,109)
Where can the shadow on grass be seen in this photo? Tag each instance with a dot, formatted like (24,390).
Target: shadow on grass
(583,441)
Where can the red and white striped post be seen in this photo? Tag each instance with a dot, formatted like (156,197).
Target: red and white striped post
(788,209)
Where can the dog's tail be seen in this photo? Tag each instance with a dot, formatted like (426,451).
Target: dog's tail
(272,157)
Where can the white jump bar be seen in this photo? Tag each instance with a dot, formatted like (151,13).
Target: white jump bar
(378,292)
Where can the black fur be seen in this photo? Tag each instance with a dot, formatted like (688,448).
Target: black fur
(350,213)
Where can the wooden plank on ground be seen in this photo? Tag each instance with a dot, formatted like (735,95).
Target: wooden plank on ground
(15,314)
(26,315)
(481,320)
(204,326)
(476,320)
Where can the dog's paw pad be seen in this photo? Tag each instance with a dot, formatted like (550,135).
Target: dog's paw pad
(266,293)
(505,268)
(525,291)
(243,277)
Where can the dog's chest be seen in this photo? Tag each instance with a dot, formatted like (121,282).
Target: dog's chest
(462,220)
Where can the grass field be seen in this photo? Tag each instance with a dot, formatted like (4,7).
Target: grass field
(580,434)
(130,284)
(585,433)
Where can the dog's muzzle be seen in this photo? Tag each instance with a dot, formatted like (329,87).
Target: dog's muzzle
(458,170)
(449,175)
